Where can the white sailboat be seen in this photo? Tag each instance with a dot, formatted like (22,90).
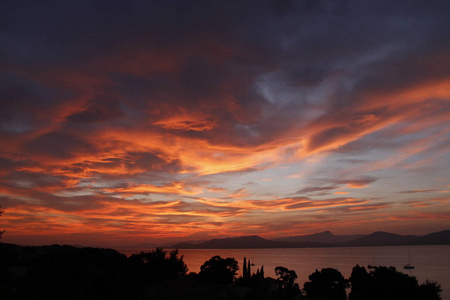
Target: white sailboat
(408,265)
(372,266)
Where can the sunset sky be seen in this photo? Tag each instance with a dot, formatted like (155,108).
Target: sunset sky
(127,122)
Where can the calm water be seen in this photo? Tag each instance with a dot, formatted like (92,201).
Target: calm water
(431,262)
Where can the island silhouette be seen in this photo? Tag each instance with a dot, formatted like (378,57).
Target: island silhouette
(323,239)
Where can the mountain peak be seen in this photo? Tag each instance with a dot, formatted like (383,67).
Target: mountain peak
(324,233)
(383,233)
(320,237)
(257,237)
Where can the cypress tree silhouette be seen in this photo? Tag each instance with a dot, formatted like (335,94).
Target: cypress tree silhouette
(244,271)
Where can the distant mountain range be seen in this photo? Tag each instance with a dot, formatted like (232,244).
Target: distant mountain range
(322,239)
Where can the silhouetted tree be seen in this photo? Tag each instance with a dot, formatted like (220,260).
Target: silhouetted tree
(429,290)
(326,284)
(157,266)
(388,283)
(219,270)
(287,286)
(391,284)
(254,281)
(66,272)
(244,269)
(362,284)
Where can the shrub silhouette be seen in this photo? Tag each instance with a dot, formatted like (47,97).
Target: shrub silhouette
(219,270)
(326,284)
(429,290)
(287,286)
(388,283)
(362,284)
(157,266)
(65,272)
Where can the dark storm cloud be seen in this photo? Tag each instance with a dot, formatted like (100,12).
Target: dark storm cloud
(60,145)
(6,163)
(23,102)
(106,27)
(9,202)
(38,200)
(341,32)
(309,40)
(130,163)
(98,110)
(92,28)
(29,179)
(73,203)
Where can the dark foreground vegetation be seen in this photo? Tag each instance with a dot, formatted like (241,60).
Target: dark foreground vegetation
(67,272)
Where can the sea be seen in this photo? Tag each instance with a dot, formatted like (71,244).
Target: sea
(430,262)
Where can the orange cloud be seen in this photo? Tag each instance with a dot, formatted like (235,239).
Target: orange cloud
(421,216)
(173,188)
(186,123)
(135,133)
(299,203)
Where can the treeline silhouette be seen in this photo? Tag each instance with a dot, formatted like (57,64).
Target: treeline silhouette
(67,272)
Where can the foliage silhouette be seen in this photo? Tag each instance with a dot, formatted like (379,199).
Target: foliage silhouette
(361,283)
(251,280)
(67,272)
(219,270)
(429,290)
(388,283)
(287,286)
(326,284)
(245,275)
(156,266)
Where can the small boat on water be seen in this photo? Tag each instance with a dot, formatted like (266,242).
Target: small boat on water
(408,265)
(372,266)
